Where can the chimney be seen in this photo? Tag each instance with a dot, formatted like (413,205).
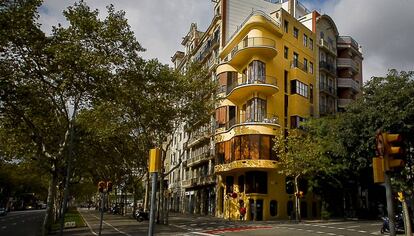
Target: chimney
(292,4)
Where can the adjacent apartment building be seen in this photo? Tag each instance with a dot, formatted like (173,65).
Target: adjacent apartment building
(277,64)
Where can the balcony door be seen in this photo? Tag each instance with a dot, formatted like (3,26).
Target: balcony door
(255,110)
(256,72)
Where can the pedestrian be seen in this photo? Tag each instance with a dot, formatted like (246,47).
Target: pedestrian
(242,212)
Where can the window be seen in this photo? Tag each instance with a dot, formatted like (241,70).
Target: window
(255,110)
(256,182)
(311,67)
(295,59)
(290,188)
(241,183)
(311,93)
(295,121)
(295,32)
(286,52)
(311,44)
(273,208)
(286,81)
(256,72)
(229,184)
(289,209)
(305,64)
(297,87)
(286,26)
(221,116)
(305,40)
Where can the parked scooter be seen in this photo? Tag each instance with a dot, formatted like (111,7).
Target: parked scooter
(141,215)
(399,224)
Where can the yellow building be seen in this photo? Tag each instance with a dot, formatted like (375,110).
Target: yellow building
(266,79)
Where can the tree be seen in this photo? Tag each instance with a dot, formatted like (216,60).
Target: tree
(299,156)
(46,80)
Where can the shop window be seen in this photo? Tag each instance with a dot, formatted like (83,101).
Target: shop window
(256,182)
(273,208)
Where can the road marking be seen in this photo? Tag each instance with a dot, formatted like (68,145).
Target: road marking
(319,232)
(341,228)
(351,229)
(89,226)
(14,223)
(375,233)
(4,227)
(206,234)
(119,231)
(354,226)
(362,231)
(331,234)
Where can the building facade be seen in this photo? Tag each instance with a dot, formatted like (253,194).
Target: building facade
(277,64)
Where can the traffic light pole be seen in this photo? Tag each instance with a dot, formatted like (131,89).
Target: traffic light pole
(154,177)
(102,211)
(390,205)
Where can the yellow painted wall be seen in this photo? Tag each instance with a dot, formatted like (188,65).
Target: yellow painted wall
(298,105)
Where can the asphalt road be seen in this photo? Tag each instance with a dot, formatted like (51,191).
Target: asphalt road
(22,223)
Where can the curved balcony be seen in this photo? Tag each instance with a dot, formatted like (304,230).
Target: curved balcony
(260,46)
(245,165)
(265,119)
(266,85)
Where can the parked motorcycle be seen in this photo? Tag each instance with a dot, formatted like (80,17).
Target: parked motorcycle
(399,224)
(141,215)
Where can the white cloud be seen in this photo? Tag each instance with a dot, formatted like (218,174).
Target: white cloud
(384,28)
(159,25)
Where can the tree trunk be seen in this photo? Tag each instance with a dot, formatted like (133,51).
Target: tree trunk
(49,216)
(134,205)
(407,219)
(297,198)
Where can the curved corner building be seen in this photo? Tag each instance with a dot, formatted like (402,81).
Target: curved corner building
(267,79)
(277,64)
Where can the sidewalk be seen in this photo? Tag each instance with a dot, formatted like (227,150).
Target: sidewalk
(116,225)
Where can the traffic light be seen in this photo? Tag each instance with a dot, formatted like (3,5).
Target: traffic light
(101,186)
(378,168)
(400,196)
(109,186)
(299,194)
(393,151)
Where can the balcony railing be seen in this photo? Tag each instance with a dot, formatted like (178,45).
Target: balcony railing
(324,65)
(349,83)
(200,134)
(253,42)
(331,48)
(347,62)
(252,80)
(348,40)
(258,119)
(299,65)
(324,87)
(199,158)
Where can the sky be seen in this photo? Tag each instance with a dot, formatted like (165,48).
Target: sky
(384,28)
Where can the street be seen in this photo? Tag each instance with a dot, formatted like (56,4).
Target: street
(22,223)
(206,225)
